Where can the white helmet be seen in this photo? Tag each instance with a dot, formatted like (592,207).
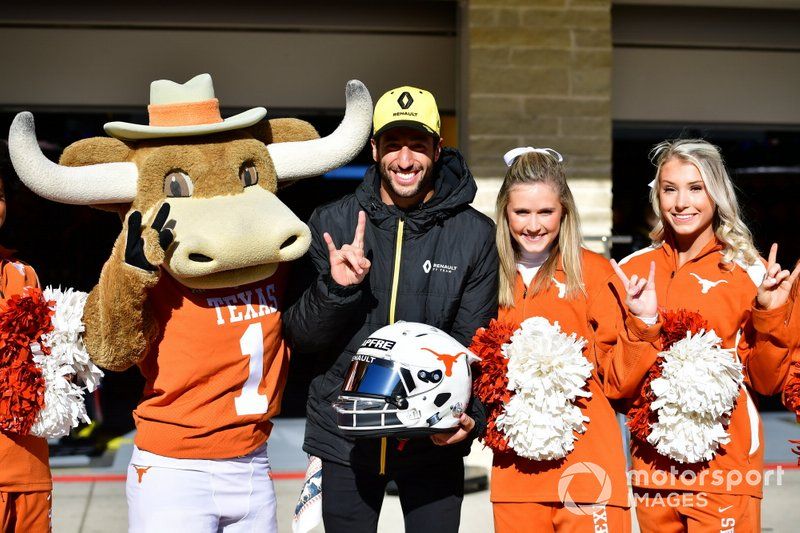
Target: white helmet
(406,379)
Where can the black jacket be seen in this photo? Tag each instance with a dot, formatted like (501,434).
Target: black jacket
(448,279)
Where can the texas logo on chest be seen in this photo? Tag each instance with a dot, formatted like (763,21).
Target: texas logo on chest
(244,305)
(706,284)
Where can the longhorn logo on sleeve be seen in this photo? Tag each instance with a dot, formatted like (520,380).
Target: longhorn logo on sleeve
(706,284)
(448,360)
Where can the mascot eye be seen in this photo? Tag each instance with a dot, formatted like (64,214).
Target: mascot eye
(177,184)
(248,174)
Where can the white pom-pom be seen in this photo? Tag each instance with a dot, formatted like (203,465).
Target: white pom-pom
(68,372)
(695,397)
(547,372)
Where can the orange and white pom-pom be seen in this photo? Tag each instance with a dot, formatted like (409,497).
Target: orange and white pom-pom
(530,380)
(689,394)
(694,398)
(44,367)
(547,372)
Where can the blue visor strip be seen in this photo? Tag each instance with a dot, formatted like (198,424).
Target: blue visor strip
(379,380)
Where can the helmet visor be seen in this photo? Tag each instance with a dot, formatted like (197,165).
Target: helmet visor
(378,378)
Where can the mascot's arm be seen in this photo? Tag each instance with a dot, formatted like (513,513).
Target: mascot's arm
(119,322)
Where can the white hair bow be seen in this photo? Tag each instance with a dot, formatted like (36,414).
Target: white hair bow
(514,153)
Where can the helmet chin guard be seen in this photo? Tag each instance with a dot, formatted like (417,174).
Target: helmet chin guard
(407,379)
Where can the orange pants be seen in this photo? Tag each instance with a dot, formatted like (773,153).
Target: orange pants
(554,517)
(697,512)
(25,512)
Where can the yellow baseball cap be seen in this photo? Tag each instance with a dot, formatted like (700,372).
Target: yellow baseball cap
(408,107)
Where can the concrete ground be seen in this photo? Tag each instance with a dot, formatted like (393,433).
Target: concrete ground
(99,507)
(92,500)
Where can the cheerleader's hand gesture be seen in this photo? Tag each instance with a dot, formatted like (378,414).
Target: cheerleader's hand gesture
(776,287)
(640,294)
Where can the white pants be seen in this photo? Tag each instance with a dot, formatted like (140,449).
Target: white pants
(200,495)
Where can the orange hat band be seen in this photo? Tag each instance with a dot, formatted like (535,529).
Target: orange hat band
(185,114)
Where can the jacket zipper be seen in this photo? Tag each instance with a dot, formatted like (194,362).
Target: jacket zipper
(669,285)
(524,298)
(398,252)
(674,271)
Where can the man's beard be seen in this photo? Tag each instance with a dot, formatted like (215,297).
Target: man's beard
(422,185)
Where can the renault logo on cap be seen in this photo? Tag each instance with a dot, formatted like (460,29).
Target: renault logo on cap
(405,100)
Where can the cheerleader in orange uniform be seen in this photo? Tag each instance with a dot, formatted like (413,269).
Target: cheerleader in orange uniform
(25,483)
(546,273)
(705,476)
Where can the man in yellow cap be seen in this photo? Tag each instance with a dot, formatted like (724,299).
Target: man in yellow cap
(405,246)
(406,144)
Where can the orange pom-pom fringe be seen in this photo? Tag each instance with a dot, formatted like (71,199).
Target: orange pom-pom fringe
(491,383)
(23,321)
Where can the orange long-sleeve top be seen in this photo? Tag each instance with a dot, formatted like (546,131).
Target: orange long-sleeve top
(792,380)
(24,459)
(792,386)
(724,295)
(599,318)
(215,376)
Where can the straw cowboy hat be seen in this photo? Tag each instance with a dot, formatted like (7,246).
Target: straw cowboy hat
(178,110)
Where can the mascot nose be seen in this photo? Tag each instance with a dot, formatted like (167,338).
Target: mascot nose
(294,241)
(288,242)
(200,258)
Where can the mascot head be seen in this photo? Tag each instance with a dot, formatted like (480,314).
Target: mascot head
(219,177)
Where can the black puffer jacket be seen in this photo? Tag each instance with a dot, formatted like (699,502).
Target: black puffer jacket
(448,279)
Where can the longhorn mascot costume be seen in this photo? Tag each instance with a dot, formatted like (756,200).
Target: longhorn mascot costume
(192,292)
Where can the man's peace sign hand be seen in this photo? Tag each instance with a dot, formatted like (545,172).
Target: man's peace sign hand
(640,293)
(776,287)
(348,264)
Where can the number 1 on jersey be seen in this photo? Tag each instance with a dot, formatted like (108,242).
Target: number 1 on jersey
(250,402)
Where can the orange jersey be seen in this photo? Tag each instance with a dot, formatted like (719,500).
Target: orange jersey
(215,375)
(24,459)
(598,317)
(724,295)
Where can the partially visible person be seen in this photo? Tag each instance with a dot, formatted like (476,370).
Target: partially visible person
(545,272)
(417,252)
(706,262)
(790,394)
(25,482)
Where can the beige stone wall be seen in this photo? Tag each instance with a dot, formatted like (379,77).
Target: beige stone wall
(539,74)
